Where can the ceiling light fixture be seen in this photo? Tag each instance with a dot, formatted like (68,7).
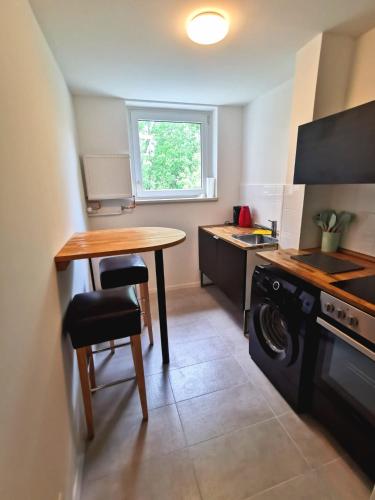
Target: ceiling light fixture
(207,28)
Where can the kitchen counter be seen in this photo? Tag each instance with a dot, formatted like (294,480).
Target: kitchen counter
(321,279)
(224,232)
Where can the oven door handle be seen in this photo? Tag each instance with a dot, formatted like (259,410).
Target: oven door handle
(361,348)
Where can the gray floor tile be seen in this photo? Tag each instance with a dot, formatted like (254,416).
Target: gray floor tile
(315,443)
(242,463)
(203,378)
(198,351)
(169,477)
(223,411)
(258,379)
(337,480)
(126,439)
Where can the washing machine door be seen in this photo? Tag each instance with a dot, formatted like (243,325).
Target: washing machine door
(277,335)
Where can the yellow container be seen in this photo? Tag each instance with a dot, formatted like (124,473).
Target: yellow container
(262,231)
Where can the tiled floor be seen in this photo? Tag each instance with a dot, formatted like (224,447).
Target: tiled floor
(217,428)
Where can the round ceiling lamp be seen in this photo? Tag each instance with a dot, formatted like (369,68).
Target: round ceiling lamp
(207,28)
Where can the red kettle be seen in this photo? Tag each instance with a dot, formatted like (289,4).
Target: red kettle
(244,219)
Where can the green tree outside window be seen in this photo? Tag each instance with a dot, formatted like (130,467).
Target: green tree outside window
(170,155)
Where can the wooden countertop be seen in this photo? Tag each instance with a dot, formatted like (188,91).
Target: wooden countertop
(116,242)
(225,232)
(323,280)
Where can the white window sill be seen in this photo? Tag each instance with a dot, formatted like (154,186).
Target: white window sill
(160,201)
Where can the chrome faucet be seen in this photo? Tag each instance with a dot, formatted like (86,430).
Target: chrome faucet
(273,227)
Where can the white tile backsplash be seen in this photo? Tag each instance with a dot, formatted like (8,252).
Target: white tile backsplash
(360,235)
(293,196)
(264,200)
(359,199)
(280,202)
(288,240)
(317,198)
(291,220)
(356,198)
(293,199)
(293,206)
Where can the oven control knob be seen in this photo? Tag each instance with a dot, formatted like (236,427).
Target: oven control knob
(341,314)
(353,321)
(330,308)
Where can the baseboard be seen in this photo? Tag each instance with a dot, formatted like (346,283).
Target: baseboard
(77,481)
(79,423)
(193,284)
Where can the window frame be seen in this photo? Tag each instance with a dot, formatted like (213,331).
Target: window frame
(177,115)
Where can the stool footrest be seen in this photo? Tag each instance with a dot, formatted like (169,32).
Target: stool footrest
(110,384)
(110,348)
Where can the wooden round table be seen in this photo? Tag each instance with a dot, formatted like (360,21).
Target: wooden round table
(106,242)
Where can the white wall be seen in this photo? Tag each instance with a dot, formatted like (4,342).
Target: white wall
(304,87)
(335,64)
(266,131)
(358,86)
(265,153)
(360,199)
(304,91)
(361,86)
(102,128)
(40,207)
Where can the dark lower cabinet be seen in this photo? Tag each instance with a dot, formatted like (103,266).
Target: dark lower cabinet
(225,265)
(207,254)
(231,272)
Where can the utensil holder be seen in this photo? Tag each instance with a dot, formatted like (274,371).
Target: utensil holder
(330,241)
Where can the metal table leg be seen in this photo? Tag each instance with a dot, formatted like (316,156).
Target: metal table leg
(92,275)
(161,304)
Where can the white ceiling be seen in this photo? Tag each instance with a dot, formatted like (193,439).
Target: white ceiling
(138,49)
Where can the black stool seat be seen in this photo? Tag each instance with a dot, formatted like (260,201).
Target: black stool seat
(123,270)
(104,315)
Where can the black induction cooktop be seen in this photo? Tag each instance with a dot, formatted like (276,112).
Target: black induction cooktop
(364,288)
(327,263)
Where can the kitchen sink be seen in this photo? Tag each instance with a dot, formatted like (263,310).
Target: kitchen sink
(256,239)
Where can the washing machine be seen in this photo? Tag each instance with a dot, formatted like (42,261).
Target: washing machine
(283,339)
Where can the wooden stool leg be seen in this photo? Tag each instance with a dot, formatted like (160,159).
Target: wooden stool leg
(112,345)
(136,346)
(85,386)
(147,310)
(91,368)
(142,299)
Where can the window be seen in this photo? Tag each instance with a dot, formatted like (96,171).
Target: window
(171,152)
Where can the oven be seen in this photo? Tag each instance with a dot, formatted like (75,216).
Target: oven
(344,378)
(345,369)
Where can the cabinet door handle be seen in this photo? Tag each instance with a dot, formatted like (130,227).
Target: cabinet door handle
(215,237)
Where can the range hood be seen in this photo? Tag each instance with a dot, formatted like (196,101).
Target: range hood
(338,149)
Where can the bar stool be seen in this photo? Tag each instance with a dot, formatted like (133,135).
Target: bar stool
(102,316)
(128,270)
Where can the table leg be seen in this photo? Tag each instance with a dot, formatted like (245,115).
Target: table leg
(92,275)
(161,304)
